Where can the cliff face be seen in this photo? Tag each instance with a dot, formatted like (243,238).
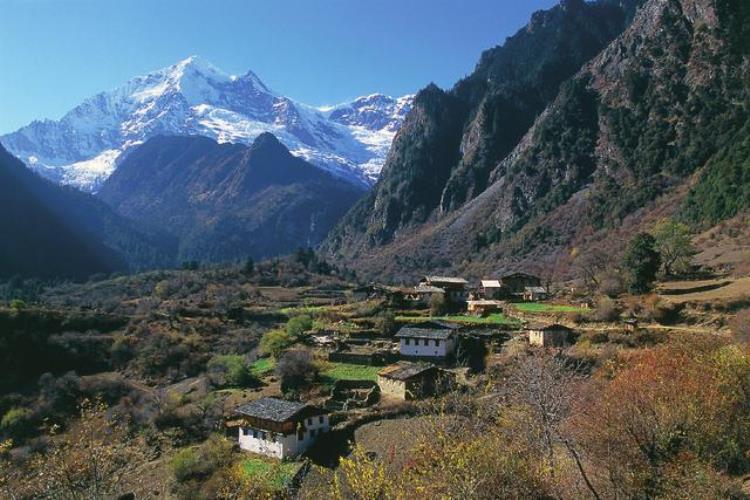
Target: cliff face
(650,120)
(451,141)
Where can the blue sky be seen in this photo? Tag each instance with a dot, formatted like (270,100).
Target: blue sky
(54,53)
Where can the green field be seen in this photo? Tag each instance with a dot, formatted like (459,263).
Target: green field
(539,307)
(275,475)
(262,367)
(347,371)
(492,319)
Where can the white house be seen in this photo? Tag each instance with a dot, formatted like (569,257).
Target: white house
(279,428)
(427,340)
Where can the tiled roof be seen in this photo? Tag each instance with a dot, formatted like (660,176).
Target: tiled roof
(429,330)
(428,289)
(446,279)
(405,370)
(547,327)
(277,410)
(491,283)
(535,289)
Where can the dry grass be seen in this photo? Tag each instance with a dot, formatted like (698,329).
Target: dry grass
(728,290)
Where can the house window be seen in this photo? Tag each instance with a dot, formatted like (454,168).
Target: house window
(255,434)
(406,341)
(437,343)
(312,432)
(273,437)
(263,435)
(309,421)
(320,419)
(300,435)
(426,342)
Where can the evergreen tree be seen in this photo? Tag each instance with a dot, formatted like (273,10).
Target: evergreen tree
(641,263)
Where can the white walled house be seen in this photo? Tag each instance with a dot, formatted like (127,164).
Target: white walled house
(279,428)
(427,340)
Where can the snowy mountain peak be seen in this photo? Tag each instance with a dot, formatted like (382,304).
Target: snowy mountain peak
(194,97)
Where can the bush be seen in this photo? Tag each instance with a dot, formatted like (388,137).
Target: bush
(611,284)
(741,326)
(296,369)
(438,305)
(298,325)
(230,370)
(655,309)
(274,342)
(607,310)
(201,462)
(386,323)
(17,423)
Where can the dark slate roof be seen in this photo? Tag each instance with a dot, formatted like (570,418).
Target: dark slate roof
(429,330)
(547,327)
(277,410)
(405,370)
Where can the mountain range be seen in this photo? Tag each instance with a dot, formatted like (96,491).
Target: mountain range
(193,97)
(585,126)
(228,201)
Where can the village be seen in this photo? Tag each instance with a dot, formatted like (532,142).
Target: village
(447,330)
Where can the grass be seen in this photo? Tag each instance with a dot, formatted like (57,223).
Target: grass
(262,366)
(492,319)
(347,371)
(275,475)
(296,311)
(540,307)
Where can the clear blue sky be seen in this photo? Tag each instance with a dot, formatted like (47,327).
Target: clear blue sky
(54,53)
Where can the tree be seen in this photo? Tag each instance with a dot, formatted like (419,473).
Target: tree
(274,342)
(438,304)
(230,370)
(298,325)
(249,266)
(673,241)
(296,369)
(386,323)
(641,263)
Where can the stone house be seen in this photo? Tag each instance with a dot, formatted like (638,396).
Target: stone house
(491,289)
(456,289)
(278,428)
(516,283)
(535,293)
(484,307)
(553,335)
(406,380)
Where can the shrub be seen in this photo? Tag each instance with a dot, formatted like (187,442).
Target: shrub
(438,305)
(230,370)
(17,304)
(611,285)
(274,342)
(607,310)
(201,461)
(296,369)
(17,423)
(386,323)
(741,326)
(298,325)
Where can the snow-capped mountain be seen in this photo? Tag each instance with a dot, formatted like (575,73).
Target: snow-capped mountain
(193,97)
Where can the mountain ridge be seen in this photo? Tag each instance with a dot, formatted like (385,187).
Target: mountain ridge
(228,201)
(194,97)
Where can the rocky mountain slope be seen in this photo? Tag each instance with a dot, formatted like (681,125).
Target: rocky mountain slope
(228,201)
(193,97)
(656,120)
(49,231)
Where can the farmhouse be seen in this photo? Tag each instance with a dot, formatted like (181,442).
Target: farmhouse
(492,289)
(427,340)
(516,283)
(534,293)
(407,380)
(484,307)
(454,288)
(424,293)
(548,335)
(278,428)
